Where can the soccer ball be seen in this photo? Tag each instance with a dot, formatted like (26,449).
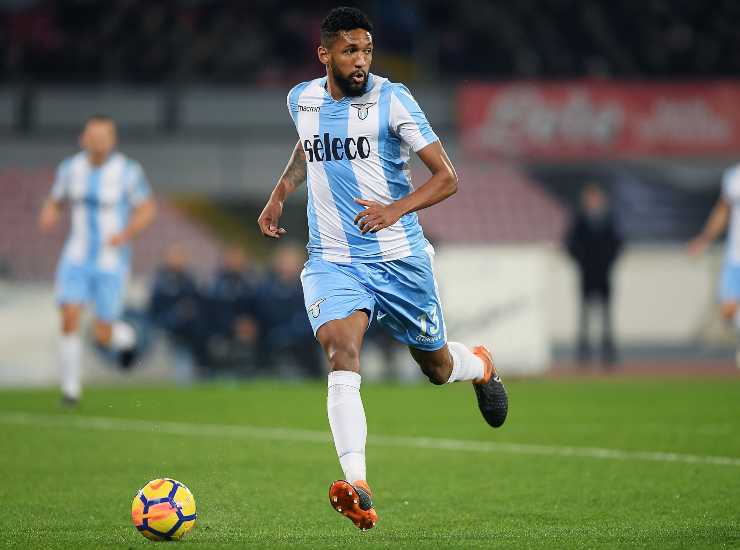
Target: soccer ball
(164,509)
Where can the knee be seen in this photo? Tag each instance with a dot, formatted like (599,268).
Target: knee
(70,322)
(341,341)
(437,372)
(728,310)
(343,356)
(103,332)
(70,326)
(342,353)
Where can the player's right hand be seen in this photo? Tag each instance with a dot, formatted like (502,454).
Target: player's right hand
(268,220)
(697,246)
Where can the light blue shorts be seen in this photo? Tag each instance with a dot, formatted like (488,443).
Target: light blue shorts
(84,283)
(729,288)
(400,294)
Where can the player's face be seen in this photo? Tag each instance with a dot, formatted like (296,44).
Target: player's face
(348,60)
(99,138)
(593,200)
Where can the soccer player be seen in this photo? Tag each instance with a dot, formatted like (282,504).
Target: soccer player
(110,204)
(726,210)
(368,257)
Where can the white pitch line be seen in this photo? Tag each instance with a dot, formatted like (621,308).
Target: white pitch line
(287,434)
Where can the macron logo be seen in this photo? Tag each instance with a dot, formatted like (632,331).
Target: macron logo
(309,108)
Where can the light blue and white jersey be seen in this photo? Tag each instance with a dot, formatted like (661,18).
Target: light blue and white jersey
(101,199)
(731,194)
(358,147)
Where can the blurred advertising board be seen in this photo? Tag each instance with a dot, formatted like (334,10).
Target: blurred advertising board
(497,295)
(587,120)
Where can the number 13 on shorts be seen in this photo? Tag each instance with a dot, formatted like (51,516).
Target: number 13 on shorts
(429,326)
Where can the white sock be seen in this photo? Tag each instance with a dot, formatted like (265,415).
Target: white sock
(70,363)
(123,336)
(465,364)
(347,421)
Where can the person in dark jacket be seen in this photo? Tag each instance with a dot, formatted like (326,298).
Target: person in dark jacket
(594,242)
(286,332)
(233,327)
(175,307)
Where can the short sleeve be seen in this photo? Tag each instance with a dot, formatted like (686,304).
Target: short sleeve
(408,121)
(730,178)
(139,189)
(60,189)
(290,106)
(292,100)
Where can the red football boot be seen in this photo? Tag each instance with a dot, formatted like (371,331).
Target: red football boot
(354,502)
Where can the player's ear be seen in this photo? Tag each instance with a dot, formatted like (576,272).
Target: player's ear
(323,55)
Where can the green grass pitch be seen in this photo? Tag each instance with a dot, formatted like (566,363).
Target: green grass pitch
(259,460)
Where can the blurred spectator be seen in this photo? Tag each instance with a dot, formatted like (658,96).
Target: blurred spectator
(594,241)
(286,331)
(232,298)
(175,307)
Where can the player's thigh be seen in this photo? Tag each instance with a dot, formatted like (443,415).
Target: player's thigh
(333,292)
(409,305)
(108,294)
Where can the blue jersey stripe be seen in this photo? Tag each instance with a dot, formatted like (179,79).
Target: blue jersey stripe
(314,239)
(390,146)
(92,202)
(394,167)
(334,121)
(323,127)
(124,208)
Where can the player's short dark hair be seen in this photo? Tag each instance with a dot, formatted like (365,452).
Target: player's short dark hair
(99,117)
(340,19)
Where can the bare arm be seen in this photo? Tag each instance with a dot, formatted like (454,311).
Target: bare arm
(49,216)
(715,225)
(291,179)
(441,185)
(142,216)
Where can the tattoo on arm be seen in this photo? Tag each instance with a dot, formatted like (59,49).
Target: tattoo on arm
(295,172)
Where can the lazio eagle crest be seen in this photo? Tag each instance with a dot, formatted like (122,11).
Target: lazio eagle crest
(362,109)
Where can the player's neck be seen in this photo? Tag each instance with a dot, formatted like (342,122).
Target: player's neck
(97,160)
(333,88)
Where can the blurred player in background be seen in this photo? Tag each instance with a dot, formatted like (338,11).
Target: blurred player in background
(110,203)
(726,210)
(368,256)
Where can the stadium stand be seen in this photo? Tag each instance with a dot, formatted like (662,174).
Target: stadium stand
(141,41)
(507,206)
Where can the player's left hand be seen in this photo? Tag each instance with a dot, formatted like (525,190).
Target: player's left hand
(118,239)
(376,216)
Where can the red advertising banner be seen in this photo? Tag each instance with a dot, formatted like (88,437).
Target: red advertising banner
(600,120)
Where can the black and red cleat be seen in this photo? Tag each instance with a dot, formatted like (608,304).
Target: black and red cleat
(354,502)
(493,401)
